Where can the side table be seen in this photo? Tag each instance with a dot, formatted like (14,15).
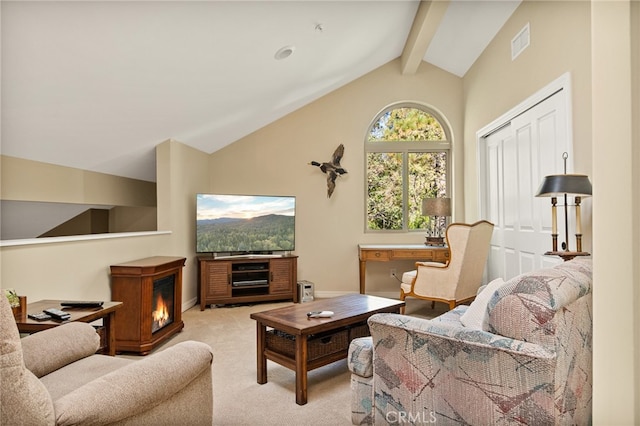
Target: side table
(106,312)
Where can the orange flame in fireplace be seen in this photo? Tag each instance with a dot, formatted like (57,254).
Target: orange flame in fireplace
(161,314)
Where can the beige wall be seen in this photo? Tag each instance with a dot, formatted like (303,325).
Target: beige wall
(182,172)
(72,269)
(133,219)
(616,192)
(495,84)
(635,213)
(274,161)
(33,184)
(27,180)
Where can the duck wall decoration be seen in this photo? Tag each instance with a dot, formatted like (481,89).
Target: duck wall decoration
(332,169)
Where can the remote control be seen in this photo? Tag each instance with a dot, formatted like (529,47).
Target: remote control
(82,304)
(320,314)
(40,316)
(57,314)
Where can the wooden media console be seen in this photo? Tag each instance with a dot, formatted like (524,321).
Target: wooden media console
(246,279)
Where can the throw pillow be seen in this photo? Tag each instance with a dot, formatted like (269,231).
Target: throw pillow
(475,316)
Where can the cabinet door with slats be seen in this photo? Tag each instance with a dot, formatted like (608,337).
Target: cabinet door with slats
(217,279)
(280,276)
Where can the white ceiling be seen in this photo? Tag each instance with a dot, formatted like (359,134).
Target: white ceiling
(97,85)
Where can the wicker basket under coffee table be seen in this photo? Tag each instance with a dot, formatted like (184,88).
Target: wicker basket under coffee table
(302,344)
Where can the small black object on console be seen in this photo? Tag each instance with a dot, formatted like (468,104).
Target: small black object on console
(40,316)
(57,314)
(82,304)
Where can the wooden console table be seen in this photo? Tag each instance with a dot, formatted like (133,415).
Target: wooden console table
(106,312)
(388,252)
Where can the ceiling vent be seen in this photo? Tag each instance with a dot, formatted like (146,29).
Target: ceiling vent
(520,42)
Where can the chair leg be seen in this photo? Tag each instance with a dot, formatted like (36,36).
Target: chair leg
(452,304)
(433,304)
(402,297)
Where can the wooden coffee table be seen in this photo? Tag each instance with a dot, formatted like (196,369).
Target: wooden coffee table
(106,312)
(302,344)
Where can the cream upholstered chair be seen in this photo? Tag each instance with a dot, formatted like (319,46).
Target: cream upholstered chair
(54,377)
(458,280)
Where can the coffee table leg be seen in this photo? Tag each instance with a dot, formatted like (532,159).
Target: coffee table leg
(262,360)
(301,369)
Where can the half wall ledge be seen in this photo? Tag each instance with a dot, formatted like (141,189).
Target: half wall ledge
(72,238)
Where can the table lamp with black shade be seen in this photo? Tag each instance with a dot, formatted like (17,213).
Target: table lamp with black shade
(436,208)
(563,185)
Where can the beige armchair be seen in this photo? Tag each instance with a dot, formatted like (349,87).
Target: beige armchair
(458,280)
(54,377)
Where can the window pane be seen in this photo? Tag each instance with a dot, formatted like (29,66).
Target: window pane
(384,184)
(404,166)
(406,124)
(427,179)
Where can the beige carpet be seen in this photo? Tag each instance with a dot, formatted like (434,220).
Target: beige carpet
(240,400)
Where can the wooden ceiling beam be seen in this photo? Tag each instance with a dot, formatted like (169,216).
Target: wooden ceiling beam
(425,24)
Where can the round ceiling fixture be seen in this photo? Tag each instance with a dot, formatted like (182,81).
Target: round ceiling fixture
(284,52)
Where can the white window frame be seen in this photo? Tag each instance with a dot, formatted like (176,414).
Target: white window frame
(406,147)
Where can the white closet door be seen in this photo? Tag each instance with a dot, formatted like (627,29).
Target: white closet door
(516,158)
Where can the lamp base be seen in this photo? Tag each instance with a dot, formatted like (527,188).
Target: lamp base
(567,255)
(434,241)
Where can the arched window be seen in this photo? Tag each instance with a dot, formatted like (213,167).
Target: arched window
(407,159)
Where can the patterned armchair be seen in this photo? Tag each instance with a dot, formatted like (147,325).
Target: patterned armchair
(532,364)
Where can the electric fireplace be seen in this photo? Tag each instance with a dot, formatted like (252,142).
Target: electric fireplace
(162,311)
(151,292)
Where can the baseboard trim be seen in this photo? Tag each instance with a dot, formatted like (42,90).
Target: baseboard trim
(189,304)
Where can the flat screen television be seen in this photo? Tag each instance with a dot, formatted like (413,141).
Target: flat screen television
(245,224)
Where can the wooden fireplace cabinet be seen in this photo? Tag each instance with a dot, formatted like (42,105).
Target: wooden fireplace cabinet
(132,283)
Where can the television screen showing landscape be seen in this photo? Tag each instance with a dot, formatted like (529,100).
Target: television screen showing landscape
(244,223)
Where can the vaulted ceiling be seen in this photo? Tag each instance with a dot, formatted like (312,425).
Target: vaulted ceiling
(97,85)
